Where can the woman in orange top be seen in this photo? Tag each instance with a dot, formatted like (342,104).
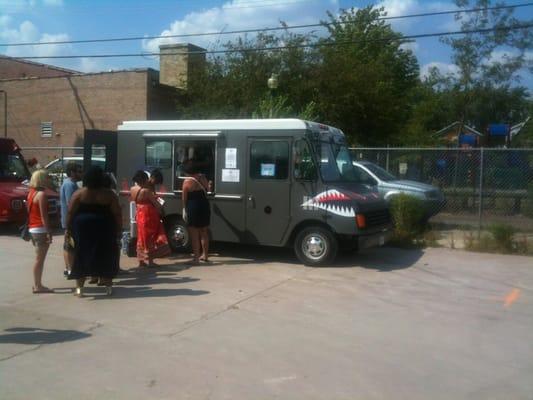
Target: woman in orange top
(39,225)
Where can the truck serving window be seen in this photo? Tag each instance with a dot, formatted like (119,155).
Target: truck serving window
(269,160)
(199,152)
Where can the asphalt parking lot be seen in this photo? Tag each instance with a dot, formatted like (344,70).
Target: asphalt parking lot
(385,324)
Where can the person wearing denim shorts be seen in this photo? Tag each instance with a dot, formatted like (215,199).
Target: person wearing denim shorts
(39,225)
(69,186)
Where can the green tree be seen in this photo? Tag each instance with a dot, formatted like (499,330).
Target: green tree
(489,62)
(366,77)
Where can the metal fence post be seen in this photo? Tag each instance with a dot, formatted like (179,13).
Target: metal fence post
(480,201)
(62,164)
(387,159)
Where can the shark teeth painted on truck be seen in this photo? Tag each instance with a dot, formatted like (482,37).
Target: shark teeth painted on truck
(330,201)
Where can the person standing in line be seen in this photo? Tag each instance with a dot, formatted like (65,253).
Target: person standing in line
(152,240)
(39,225)
(94,221)
(156,178)
(68,187)
(197,211)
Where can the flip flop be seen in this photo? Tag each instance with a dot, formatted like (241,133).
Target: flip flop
(44,289)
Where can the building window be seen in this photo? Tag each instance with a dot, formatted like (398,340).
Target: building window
(46,129)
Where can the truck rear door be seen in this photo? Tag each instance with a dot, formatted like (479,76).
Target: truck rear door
(98,145)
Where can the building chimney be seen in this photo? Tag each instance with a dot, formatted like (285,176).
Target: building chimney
(177,62)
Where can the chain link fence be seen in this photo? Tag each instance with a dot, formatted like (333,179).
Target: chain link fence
(482,186)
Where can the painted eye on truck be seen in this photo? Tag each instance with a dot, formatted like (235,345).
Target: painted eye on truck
(16,204)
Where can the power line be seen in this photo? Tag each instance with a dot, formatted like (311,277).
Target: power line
(278,48)
(122,39)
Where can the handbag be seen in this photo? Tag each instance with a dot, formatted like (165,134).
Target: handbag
(25,229)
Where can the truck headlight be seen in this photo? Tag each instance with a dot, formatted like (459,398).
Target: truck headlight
(16,204)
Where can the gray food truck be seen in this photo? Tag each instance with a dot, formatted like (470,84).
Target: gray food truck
(275,182)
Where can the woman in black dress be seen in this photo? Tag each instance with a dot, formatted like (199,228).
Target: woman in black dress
(197,210)
(94,221)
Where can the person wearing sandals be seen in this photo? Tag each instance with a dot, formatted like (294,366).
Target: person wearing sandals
(94,222)
(197,211)
(152,240)
(39,225)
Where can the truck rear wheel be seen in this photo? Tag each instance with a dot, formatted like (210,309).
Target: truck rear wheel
(315,246)
(178,235)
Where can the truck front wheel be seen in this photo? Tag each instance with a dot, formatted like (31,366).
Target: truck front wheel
(178,235)
(315,246)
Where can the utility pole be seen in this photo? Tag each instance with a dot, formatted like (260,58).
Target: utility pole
(5,111)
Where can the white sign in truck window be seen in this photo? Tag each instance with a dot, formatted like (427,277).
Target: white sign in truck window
(231,158)
(230,175)
(268,169)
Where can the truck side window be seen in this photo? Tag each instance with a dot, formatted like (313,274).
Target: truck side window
(304,167)
(159,154)
(200,152)
(269,160)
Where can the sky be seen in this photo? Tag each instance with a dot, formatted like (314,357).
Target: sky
(59,20)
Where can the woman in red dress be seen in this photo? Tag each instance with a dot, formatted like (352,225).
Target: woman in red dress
(152,240)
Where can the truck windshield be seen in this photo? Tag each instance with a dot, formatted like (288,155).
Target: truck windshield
(380,172)
(12,167)
(336,163)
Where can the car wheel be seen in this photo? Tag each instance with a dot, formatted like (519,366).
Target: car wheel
(315,246)
(178,235)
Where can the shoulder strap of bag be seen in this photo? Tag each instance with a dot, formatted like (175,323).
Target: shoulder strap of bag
(137,195)
(30,203)
(196,180)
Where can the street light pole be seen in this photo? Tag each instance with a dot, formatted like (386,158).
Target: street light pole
(272,85)
(5,111)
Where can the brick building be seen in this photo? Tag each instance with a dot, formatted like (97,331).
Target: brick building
(51,106)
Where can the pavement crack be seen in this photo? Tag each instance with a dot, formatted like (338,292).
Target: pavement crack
(233,306)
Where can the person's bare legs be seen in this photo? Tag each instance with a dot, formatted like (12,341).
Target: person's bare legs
(204,240)
(195,242)
(79,287)
(38,267)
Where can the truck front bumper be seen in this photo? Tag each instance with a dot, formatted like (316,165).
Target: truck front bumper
(375,239)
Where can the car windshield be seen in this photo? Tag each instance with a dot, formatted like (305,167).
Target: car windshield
(380,172)
(12,167)
(336,163)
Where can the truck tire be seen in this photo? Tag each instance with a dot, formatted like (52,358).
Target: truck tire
(315,246)
(178,235)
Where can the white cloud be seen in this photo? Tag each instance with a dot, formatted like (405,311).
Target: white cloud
(444,68)
(20,6)
(28,32)
(413,46)
(89,65)
(396,8)
(239,15)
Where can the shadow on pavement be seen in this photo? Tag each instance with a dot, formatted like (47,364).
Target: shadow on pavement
(121,292)
(41,336)
(386,259)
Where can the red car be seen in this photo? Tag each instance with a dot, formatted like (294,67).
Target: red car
(14,179)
